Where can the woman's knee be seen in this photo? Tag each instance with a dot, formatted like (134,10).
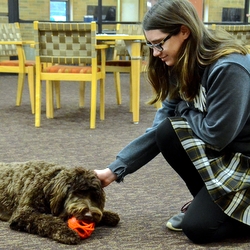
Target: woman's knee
(197,232)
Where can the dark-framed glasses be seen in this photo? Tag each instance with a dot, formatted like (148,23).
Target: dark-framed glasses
(158,46)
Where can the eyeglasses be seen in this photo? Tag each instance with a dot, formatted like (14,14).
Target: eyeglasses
(158,46)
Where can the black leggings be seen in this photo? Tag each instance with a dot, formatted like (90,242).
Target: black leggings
(204,221)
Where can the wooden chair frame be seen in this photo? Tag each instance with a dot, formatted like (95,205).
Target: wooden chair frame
(121,62)
(11,44)
(62,45)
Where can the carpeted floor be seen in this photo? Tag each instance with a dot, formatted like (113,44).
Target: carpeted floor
(144,201)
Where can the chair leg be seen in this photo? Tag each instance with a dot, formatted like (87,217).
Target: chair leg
(102,99)
(130,94)
(31,82)
(20,88)
(81,94)
(49,99)
(57,87)
(118,87)
(38,103)
(93,102)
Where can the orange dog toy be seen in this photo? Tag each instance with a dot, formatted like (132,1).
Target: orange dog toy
(83,229)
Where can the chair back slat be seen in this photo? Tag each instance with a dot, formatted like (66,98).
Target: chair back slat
(9,32)
(65,43)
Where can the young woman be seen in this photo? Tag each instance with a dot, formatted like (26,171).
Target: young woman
(203,128)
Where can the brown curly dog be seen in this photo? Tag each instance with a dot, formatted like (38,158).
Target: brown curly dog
(39,198)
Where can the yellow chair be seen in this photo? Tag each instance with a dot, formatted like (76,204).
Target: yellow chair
(68,52)
(121,61)
(11,44)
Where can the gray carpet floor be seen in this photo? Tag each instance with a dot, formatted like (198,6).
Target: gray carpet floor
(145,200)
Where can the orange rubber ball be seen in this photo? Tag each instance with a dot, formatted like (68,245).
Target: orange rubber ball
(84,229)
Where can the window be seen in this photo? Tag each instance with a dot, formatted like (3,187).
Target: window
(59,10)
(108,12)
(225,12)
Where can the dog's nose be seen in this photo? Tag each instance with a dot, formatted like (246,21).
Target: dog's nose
(88,215)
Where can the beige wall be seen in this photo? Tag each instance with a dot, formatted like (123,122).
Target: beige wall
(34,9)
(4,10)
(3,6)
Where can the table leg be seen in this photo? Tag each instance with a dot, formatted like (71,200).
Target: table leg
(135,79)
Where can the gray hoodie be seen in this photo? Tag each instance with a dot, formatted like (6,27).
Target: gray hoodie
(220,115)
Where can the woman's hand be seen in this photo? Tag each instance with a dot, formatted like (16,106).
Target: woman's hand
(106,176)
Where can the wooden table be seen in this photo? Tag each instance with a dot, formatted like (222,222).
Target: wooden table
(133,43)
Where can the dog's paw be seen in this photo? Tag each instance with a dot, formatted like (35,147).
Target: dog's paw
(18,225)
(67,236)
(109,219)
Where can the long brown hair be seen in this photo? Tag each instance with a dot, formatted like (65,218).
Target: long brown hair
(202,48)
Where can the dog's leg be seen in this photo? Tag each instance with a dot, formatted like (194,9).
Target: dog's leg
(109,219)
(44,225)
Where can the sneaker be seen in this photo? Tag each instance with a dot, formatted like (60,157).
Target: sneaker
(174,223)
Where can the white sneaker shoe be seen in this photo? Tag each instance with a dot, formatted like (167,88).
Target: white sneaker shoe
(174,223)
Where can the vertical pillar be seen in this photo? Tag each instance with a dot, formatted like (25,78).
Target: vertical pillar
(13,14)
(13,11)
(246,11)
(99,17)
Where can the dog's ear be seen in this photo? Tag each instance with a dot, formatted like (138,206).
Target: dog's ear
(56,192)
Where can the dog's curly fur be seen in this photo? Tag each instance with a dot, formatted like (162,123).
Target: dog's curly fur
(39,197)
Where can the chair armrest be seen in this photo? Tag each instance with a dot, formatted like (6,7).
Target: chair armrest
(101,46)
(110,43)
(11,42)
(30,43)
